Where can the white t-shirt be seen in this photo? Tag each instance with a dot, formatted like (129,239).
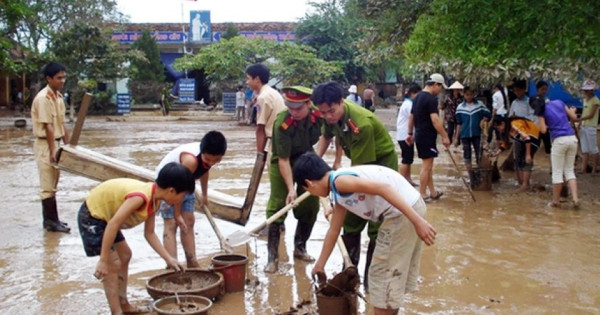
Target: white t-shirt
(499,104)
(240,99)
(402,120)
(175,154)
(373,207)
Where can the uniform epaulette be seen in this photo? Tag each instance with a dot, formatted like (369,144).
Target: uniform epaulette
(51,95)
(287,123)
(352,125)
(314,114)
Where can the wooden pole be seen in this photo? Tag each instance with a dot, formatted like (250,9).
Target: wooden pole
(85,104)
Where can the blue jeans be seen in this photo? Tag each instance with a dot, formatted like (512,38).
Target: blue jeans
(168,212)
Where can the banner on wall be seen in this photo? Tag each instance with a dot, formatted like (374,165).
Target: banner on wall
(200,27)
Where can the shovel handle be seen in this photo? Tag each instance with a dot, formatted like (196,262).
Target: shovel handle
(281,212)
(340,241)
(224,245)
(463,179)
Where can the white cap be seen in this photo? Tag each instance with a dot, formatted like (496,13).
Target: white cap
(352,89)
(589,85)
(456,86)
(437,78)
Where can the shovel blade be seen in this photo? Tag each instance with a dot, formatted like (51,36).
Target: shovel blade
(238,238)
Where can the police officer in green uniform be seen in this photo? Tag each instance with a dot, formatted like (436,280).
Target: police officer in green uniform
(295,131)
(365,140)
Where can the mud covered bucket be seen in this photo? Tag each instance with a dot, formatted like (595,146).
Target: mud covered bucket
(187,304)
(481,178)
(344,304)
(233,269)
(197,282)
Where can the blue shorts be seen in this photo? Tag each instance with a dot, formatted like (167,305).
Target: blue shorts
(168,212)
(92,232)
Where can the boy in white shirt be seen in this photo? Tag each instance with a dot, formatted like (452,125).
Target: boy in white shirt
(378,194)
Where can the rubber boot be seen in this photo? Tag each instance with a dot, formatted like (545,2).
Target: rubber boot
(273,248)
(50,214)
(302,235)
(370,251)
(352,242)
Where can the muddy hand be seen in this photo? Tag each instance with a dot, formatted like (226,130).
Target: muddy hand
(175,265)
(319,276)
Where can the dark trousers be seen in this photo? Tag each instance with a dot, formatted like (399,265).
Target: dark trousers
(450,127)
(467,143)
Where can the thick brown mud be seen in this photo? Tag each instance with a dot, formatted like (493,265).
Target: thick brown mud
(504,254)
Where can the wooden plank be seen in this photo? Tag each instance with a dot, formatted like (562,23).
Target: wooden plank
(83,109)
(96,166)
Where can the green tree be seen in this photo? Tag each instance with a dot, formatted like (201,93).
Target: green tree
(225,62)
(230,32)
(483,42)
(90,57)
(332,30)
(147,73)
(12,12)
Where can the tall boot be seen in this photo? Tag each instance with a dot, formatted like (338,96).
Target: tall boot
(302,235)
(273,248)
(370,251)
(352,242)
(50,214)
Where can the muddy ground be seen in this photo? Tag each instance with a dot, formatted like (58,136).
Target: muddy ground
(504,254)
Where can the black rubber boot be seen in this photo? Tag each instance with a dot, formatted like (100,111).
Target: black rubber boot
(302,235)
(273,248)
(370,251)
(352,242)
(50,214)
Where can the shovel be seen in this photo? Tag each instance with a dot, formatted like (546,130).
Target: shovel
(224,245)
(240,237)
(461,177)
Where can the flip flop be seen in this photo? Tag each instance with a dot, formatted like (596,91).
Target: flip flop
(437,195)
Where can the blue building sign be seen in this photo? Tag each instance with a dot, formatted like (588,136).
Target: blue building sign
(123,103)
(187,90)
(200,27)
(161,37)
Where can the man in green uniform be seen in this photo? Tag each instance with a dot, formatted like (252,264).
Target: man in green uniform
(295,131)
(365,140)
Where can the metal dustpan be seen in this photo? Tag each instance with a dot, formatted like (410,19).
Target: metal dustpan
(241,237)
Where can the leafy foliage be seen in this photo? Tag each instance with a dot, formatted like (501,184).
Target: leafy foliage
(147,73)
(230,32)
(225,62)
(148,68)
(485,42)
(387,25)
(332,31)
(88,52)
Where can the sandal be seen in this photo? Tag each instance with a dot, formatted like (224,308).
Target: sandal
(553,204)
(576,204)
(437,195)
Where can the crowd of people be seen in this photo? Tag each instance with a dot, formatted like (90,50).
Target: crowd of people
(297,125)
(524,125)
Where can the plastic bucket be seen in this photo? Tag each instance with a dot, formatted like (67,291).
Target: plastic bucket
(233,269)
(481,178)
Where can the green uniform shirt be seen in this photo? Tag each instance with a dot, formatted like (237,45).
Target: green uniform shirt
(291,138)
(365,139)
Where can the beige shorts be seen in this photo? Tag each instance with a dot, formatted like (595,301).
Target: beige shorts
(395,266)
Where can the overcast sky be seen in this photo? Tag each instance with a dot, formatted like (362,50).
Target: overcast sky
(170,11)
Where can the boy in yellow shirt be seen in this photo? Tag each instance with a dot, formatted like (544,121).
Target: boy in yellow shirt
(123,203)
